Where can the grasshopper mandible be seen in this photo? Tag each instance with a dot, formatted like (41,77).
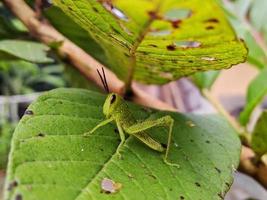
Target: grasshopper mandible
(116,110)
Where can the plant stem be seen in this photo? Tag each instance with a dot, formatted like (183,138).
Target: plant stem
(244,136)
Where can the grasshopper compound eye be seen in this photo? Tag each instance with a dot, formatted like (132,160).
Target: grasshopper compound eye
(113,98)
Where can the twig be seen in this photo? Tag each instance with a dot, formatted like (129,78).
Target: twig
(238,128)
(258,170)
(79,58)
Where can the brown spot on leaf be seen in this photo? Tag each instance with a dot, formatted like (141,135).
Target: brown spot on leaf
(41,135)
(95,9)
(218,170)
(176,23)
(153,15)
(171,47)
(210,27)
(152,45)
(212,20)
(18,197)
(197,184)
(12,185)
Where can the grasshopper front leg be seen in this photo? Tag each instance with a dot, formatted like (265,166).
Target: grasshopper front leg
(138,131)
(103,123)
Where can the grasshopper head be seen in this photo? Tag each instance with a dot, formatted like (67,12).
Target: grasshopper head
(111,103)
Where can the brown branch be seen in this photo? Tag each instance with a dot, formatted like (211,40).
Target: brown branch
(47,34)
(251,167)
(78,57)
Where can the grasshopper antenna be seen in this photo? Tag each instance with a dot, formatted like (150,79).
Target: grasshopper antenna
(103,79)
(104,74)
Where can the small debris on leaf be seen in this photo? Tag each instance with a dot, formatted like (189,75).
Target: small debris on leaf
(190,124)
(177,14)
(187,44)
(109,186)
(130,176)
(28,112)
(115,11)
(208,58)
(160,32)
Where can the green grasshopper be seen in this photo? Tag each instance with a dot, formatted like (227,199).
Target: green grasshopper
(116,109)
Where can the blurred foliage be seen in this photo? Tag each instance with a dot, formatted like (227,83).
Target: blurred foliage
(259,136)
(10,27)
(6,130)
(256,92)
(249,20)
(20,77)
(76,80)
(239,13)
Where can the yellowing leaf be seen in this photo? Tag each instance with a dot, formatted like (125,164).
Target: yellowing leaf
(158,41)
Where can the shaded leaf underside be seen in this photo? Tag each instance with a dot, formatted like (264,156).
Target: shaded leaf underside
(141,37)
(49,153)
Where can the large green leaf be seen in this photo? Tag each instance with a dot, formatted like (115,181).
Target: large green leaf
(50,158)
(259,136)
(26,50)
(159,40)
(255,94)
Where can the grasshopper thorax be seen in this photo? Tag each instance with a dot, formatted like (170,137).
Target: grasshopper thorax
(113,100)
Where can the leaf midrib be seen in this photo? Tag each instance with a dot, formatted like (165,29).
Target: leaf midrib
(135,46)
